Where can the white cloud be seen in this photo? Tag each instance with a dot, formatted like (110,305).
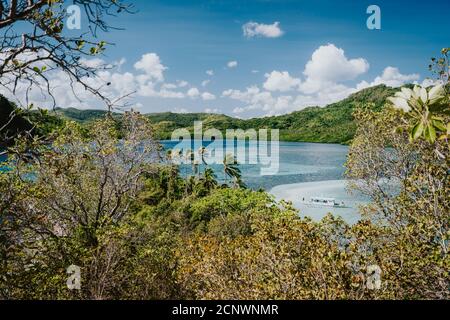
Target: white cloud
(238,110)
(180,110)
(93,63)
(391,77)
(210,72)
(169,86)
(208,96)
(182,83)
(254,29)
(255,99)
(280,81)
(210,110)
(147,81)
(150,63)
(232,64)
(324,82)
(170,94)
(329,65)
(324,72)
(193,92)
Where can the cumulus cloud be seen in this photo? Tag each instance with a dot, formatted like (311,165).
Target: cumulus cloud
(182,83)
(329,65)
(212,110)
(150,63)
(238,110)
(232,64)
(325,78)
(391,77)
(93,63)
(180,110)
(170,94)
(256,99)
(208,96)
(169,86)
(146,81)
(280,81)
(253,29)
(193,92)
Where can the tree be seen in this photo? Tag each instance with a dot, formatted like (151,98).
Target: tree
(37,43)
(60,201)
(408,184)
(209,179)
(231,169)
(44,44)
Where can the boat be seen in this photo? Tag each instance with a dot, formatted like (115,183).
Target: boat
(325,202)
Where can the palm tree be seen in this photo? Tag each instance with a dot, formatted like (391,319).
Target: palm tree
(230,167)
(209,179)
(189,157)
(191,182)
(202,151)
(195,167)
(238,183)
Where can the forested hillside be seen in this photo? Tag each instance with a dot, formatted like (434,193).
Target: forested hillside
(331,124)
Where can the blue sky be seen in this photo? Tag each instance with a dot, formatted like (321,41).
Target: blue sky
(302,53)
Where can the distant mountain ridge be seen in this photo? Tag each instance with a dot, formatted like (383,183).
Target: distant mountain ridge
(330,124)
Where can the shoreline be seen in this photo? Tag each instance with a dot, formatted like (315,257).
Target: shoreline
(299,193)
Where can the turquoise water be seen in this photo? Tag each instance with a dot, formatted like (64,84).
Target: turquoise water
(299,162)
(305,170)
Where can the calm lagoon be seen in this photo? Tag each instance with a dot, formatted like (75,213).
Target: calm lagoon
(306,170)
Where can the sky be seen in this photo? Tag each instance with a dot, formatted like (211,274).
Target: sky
(253,58)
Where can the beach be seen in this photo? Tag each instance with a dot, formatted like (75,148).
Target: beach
(300,193)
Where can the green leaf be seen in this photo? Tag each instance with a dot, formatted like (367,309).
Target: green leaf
(439,125)
(80,44)
(431,133)
(417,131)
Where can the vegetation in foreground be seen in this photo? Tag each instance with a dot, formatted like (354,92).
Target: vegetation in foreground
(140,231)
(99,199)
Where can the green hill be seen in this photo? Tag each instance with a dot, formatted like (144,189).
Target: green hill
(331,124)
(82,116)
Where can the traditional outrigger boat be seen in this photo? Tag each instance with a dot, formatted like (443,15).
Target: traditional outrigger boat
(325,202)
